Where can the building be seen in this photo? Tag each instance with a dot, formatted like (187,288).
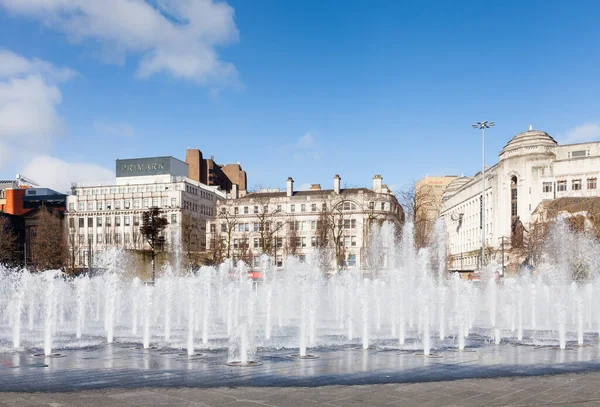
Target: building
(106,215)
(208,172)
(427,203)
(21,196)
(532,168)
(330,222)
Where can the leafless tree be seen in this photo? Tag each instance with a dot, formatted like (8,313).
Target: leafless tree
(8,242)
(420,204)
(268,227)
(291,241)
(227,220)
(190,234)
(48,241)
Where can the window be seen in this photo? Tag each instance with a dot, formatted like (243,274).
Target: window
(173,218)
(352,260)
(547,187)
(255,209)
(90,206)
(371,205)
(107,223)
(292,208)
(71,223)
(126,240)
(279,208)
(81,239)
(576,185)
(245,210)
(136,220)
(280,242)
(117,238)
(99,221)
(303,242)
(146,202)
(256,243)
(513,209)
(107,239)
(117,222)
(127,204)
(255,227)
(591,183)
(126,220)
(313,241)
(323,206)
(223,227)
(313,225)
(99,238)
(265,209)
(303,208)
(155,202)
(136,203)
(71,206)
(578,153)
(90,222)
(173,202)
(349,206)
(383,206)
(117,205)
(313,207)
(100,204)
(236,243)
(81,206)
(353,241)
(561,186)
(236,210)
(81,222)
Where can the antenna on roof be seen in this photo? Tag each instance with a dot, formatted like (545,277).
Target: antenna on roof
(23,180)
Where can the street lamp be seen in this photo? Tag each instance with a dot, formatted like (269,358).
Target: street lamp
(483,125)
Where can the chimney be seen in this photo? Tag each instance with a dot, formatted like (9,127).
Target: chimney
(234,191)
(377,180)
(290,186)
(385,189)
(336,183)
(315,187)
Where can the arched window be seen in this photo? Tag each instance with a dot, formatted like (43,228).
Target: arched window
(513,198)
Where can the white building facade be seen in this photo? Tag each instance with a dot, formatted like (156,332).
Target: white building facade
(300,223)
(105,215)
(532,168)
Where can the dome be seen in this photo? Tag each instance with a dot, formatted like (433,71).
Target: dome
(454,186)
(530,140)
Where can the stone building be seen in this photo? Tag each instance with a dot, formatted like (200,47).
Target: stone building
(532,168)
(107,214)
(208,172)
(333,223)
(427,203)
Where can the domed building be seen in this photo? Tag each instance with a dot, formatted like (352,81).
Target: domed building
(532,168)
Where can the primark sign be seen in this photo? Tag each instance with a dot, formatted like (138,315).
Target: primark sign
(138,167)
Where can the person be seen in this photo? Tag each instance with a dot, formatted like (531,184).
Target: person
(517,233)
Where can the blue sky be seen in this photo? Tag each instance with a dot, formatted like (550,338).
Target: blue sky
(305,89)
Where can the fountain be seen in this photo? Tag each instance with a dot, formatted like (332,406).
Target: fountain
(404,299)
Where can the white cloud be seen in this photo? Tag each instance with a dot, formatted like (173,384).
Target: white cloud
(584,133)
(29,97)
(306,140)
(13,65)
(177,37)
(115,129)
(57,174)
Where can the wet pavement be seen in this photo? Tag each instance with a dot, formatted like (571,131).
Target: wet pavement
(122,366)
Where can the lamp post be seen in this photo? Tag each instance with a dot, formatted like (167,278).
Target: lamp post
(483,125)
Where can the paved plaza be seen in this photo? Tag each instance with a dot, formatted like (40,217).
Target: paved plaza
(581,390)
(123,374)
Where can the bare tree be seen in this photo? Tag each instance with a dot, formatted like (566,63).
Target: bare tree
(153,225)
(421,207)
(48,240)
(291,241)
(190,234)
(8,242)
(227,220)
(268,228)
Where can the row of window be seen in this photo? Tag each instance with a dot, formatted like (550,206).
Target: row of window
(123,190)
(293,225)
(126,204)
(347,206)
(576,185)
(107,221)
(199,192)
(206,210)
(299,242)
